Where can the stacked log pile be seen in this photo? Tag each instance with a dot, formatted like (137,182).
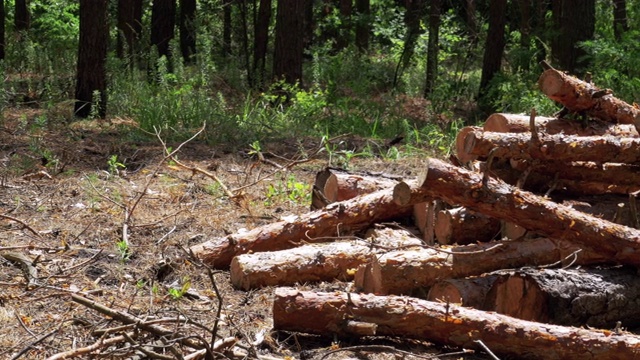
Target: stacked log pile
(536,232)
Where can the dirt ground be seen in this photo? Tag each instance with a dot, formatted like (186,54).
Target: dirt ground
(65,207)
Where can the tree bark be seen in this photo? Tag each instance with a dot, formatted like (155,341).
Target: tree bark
(261,41)
(342,314)
(520,123)
(314,262)
(600,149)
(461,151)
(575,22)
(345,217)
(289,44)
(410,272)
(2,38)
(163,20)
(363,25)
(127,36)
(494,46)
(22,18)
(91,74)
(462,227)
(620,22)
(188,30)
(424,217)
(582,97)
(435,9)
(496,198)
(577,297)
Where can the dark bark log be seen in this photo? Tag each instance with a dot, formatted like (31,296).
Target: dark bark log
(261,41)
(582,97)
(163,20)
(345,217)
(410,272)
(498,199)
(188,30)
(435,9)
(494,46)
(620,22)
(592,297)
(315,262)
(337,313)
(599,149)
(462,227)
(21,17)
(289,44)
(520,123)
(363,25)
(92,56)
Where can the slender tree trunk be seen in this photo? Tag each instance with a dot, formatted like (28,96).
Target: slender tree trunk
(494,47)
(137,29)
(575,21)
(188,30)
(620,22)
(289,45)
(363,24)
(344,34)
(309,24)
(163,21)
(261,41)
(244,31)
(126,33)
(432,47)
(92,56)
(2,42)
(226,27)
(22,19)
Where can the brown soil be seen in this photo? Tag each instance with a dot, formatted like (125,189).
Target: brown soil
(64,211)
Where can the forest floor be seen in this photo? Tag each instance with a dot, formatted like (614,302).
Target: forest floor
(65,207)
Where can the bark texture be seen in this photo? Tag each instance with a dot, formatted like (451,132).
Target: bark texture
(338,313)
(2,38)
(461,226)
(163,20)
(289,44)
(494,46)
(520,123)
(469,292)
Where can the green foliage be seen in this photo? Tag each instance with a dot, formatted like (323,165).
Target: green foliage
(114,165)
(515,93)
(124,250)
(289,190)
(178,293)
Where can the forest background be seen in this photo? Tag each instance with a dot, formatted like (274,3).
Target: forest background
(258,71)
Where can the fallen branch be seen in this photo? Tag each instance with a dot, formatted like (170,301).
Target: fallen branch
(100,344)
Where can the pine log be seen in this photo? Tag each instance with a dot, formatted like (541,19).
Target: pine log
(315,262)
(318,197)
(424,217)
(461,153)
(592,297)
(504,123)
(410,272)
(344,217)
(583,97)
(461,226)
(496,198)
(586,171)
(338,313)
(560,147)
(469,292)
(344,186)
(511,231)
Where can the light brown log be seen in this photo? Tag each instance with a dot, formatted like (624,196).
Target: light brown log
(553,147)
(585,171)
(410,272)
(468,292)
(318,198)
(583,97)
(344,217)
(329,314)
(578,297)
(461,226)
(461,153)
(314,262)
(496,198)
(344,186)
(424,217)
(503,123)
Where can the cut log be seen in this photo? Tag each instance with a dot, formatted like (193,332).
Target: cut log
(582,97)
(461,226)
(330,314)
(424,217)
(468,292)
(495,198)
(586,171)
(344,217)
(410,272)
(461,152)
(344,186)
(600,149)
(504,123)
(318,198)
(592,297)
(315,262)
(511,231)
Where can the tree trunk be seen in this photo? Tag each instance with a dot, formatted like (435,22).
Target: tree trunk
(315,262)
(435,9)
(261,42)
(495,198)
(363,25)
(494,47)
(412,18)
(137,30)
(289,44)
(350,314)
(584,98)
(309,25)
(344,217)
(620,22)
(410,272)
(575,22)
(521,123)
(92,56)
(188,30)
(559,147)
(2,38)
(22,18)
(471,21)
(592,297)
(462,227)
(163,20)
(226,27)
(126,35)
(344,34)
